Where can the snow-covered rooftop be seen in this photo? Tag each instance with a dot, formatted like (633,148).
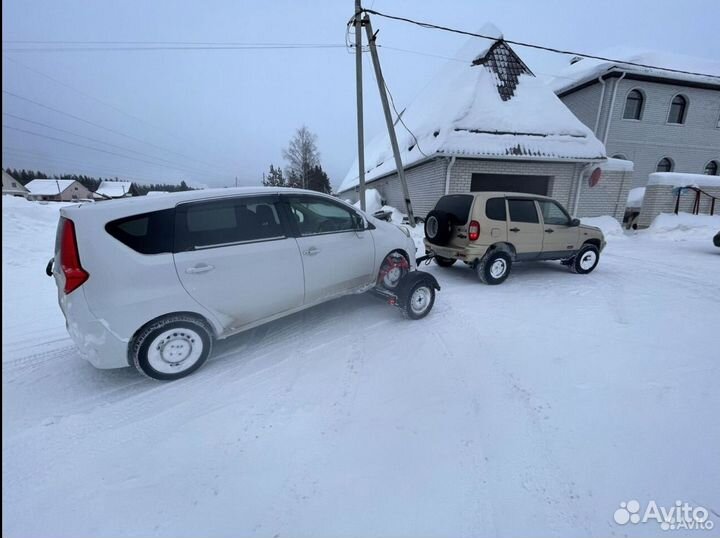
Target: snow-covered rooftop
(492,107)
(635,197)
(587,69)
(48,187)
(620,165)
(114,189)
(679,179)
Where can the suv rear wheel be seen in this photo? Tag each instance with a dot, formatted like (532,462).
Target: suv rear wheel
(171,347)
(444,262)
(494,267)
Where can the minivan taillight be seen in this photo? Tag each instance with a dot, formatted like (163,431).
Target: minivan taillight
(474,230)
(75,275)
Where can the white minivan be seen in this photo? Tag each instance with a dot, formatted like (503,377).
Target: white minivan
(150,282)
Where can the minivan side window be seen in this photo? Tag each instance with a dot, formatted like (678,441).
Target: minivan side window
(147,233)
(226,222)
(523,210)
(495,209)
(315,216)
(553,213)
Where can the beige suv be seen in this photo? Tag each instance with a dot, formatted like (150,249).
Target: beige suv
(491,230)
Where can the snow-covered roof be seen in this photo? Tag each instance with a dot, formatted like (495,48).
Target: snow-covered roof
(114,189)
(48,187)
(635,197)
(620,165)
(587,69)
(492,107)
(679,179)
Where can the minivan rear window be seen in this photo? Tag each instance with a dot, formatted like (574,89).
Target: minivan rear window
(147,233)
(457,205)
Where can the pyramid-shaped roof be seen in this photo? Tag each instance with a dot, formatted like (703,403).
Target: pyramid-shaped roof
(484,103)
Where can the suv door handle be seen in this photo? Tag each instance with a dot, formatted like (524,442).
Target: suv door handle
(199,268)
(311,251)
(514,229)
(549,230)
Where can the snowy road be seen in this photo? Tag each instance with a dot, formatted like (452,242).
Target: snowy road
(532,408)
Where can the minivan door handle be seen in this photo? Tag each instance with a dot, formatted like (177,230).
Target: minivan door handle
(514,229)
(199,268)
(311,251)
(549,230)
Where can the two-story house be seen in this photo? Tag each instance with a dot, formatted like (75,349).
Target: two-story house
(662,120)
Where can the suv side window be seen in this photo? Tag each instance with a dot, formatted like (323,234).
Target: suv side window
(225,222)
(148,233)
(315,216)
(523,210)
(495,209)
(553,213)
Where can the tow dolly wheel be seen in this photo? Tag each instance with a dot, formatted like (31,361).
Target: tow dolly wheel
(419,300)
(393,269)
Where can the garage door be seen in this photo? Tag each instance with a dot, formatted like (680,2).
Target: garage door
(510,183)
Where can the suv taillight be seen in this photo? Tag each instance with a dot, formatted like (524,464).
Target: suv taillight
(75,275)
(474,230)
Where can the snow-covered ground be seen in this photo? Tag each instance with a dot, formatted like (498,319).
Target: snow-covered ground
(533,408)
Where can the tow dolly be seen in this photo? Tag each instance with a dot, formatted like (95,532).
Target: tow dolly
(411,291)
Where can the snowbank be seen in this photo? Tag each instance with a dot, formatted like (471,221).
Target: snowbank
(684,226)
(610,227)
(678,179)
(636,197)
(373,201)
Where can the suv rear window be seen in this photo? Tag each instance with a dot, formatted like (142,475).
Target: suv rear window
(495,209)
(148,233)
(457,205)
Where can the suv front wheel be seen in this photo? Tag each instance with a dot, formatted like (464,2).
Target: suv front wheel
(494,267)
(585,260)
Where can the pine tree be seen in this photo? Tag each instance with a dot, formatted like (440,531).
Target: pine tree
(274,178)
(318,180)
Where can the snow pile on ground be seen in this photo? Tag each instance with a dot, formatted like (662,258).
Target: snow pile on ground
(684,226)
(636,197)
(610,227)
(373,201)
(533,408)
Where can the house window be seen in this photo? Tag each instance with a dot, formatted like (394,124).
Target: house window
(678,109)
(665,165)
(711,168)
(633,105)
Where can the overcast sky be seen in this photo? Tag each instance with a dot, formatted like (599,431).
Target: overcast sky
(207,116)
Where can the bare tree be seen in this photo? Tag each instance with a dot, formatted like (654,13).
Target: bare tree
(301,155)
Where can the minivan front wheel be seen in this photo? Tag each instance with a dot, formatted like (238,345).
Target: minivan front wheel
(172,347)
(494,267)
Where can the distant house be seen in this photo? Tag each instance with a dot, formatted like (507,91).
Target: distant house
(115,189)
(663,121)
(57,190)
(486,123)
(12,186)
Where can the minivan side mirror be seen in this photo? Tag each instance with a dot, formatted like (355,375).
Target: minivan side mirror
(575,222)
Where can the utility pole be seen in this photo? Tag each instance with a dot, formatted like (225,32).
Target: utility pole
(359,86)
(388,121)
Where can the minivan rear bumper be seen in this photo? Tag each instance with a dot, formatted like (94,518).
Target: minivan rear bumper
(95,341)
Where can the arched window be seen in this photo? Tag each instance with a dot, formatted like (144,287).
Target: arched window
(678,109)
(665,165)
(711,168)
(633,105)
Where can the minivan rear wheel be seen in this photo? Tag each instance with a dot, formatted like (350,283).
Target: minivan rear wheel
(494,267)
(172,347)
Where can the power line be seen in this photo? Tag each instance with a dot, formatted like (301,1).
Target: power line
(124,48)
(97,125)
(41,135)
(532,45)
(164,162)
(98,100)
